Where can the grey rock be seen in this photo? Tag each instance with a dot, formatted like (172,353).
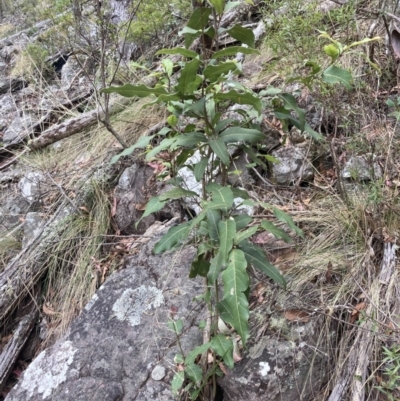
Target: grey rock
(292,166)
(119,347)
(32,186)
(32,227)
(362,168)
(13,210)
(20,128)
(11,85)
(242,176)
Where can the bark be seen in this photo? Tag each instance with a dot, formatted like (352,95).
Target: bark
(12,350)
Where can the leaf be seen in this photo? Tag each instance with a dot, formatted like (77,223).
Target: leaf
(242,221)
(179,50)
(240,193)
(291,104)
(177,382)
(194,85)
(192,355)
(222,197)
(168,66)
(176,326)
(275,231)
(164,144)
(172,238)
(227,230)
(213,72)
(188,75)
(188,140)
(231,4)
(140,144)
(153,206)
(200,267)
(223,124)
(332,51)
(233,50)
(199,168)
(244,35)
(218,263)
(297,315)
(219,6)
(129,90)
(314,134)
(213,219)
(336,75)
(282,216)
(219,148)
(241,98)
(234,307)
(239,134)
(197,21)
(223,347)
(242,235)
(176,193)
(194,373)
(256,257)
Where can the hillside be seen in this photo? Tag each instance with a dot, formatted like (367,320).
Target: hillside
(253,142)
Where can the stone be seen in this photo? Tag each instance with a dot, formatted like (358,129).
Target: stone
(20,128)
(13,211)
(120,347)
(32,227)
(362,168)
(292,166)
(32,186)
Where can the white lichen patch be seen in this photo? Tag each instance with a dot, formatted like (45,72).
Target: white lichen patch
(133,303)
(90,304)
(47,372)
(264,368)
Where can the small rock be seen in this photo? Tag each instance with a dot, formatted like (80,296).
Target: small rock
(31,186)
(158,373)
(32,227)
(362,168)
(19,129)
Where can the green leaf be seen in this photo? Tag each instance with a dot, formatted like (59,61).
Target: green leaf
(140,144)
(153,206)
(129,90)
(199,168)
(197,108)
(242,235)
(256,257)
(231,4)
(244,35)
(172,237)
(239,134)
(213,72)
(332,51)
(176,326)
(219,148)
(176,193)
(217,264)
(168,66)
(234,307)
(242,221)
(227,230)
(223,347)
(240,193)
(223,124)
(219,6)
(164,144)
(241,98)
(188,140)
(188,75)
(233,50)
(192,355)
(282,216)
(222,197)
(291,104)
(177,382)
(337,75)
(179,50)
(275,231)
(172,120)
(194,85)
(213,219)
(200,267)
(197,21)
(194,373)
(314,134)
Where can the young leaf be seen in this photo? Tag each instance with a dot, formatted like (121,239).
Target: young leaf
(242,221)
(227,230)
(233,50)
(213,219)
(239,134)
(172,238)
(153,206)
(168,66)
(332,51)
(256,257)
(213,72)
(197,21)
(291,104)
(140,144)
(192,355)
(242,235)
(275,231)
(223,347)
(179,50)
(176,193)
(188,75)
(194,373)
(188,140)
(241,98)
(244,35)
(176,326)
(217,264)
(219,148)
(199,168)
(218,5)
(234,307)
(177,382)
(129,90)
(231,4)
(164,144)
(336,75)
(282,216)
